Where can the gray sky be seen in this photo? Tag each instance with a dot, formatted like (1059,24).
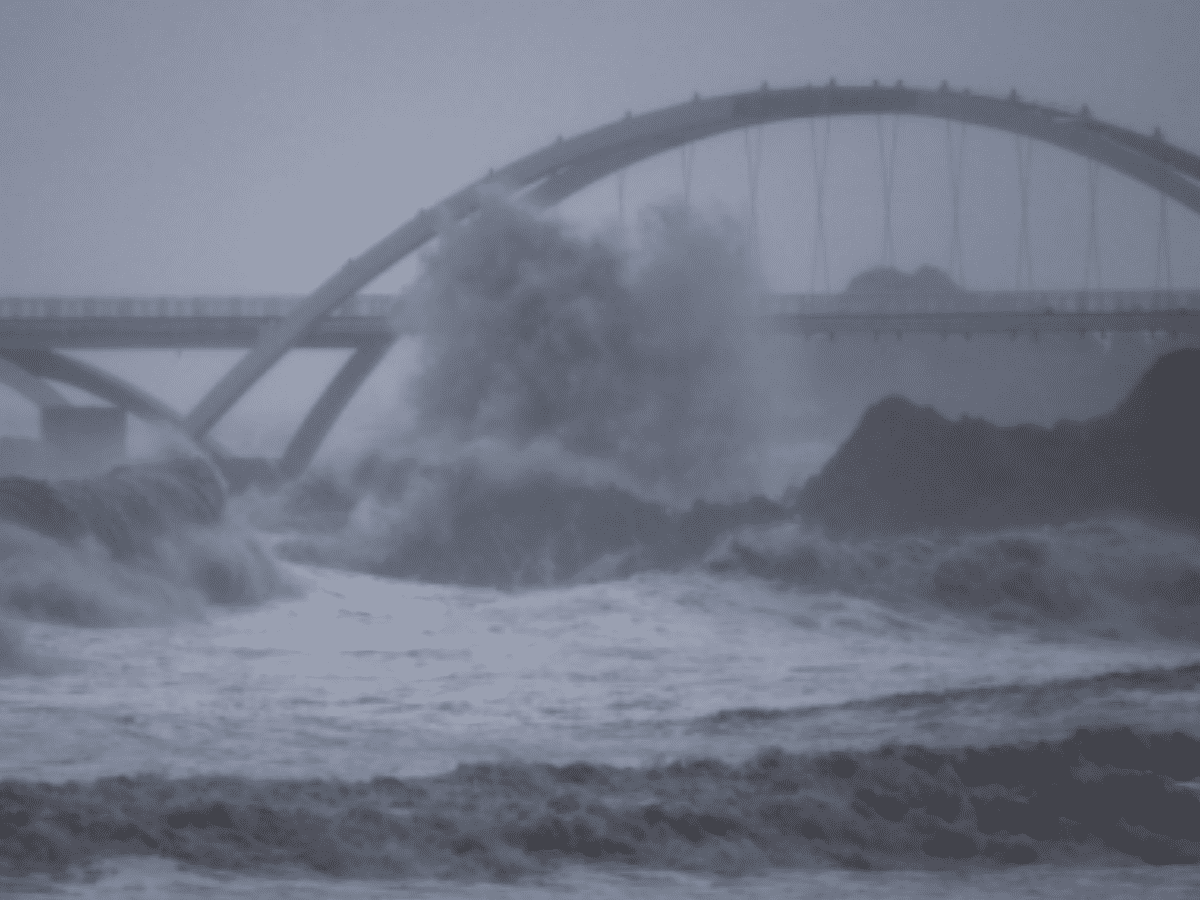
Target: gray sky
(213,147)
(250,147)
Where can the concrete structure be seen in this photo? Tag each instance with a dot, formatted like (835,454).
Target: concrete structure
(553,173)
(146,323)
(52,323)
(36,328)
(1171,323)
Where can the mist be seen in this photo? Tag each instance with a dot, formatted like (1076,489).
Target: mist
(544,346)
(148,544)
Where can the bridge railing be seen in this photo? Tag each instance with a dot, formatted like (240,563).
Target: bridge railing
(257,307)
(381,305)
(982,302)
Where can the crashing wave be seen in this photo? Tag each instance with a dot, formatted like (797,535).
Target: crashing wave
(1113,796)
(143,544)
(1115,576)
(458,524)
(1055,693)
(1021,524)
(580,412)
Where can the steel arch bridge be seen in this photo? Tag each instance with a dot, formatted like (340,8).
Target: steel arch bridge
(564,167)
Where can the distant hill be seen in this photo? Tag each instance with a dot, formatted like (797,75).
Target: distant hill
(907,467)
(926,283)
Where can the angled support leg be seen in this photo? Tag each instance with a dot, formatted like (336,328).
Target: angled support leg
(308,437)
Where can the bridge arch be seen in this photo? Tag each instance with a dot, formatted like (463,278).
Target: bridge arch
(37,391)
(560,169)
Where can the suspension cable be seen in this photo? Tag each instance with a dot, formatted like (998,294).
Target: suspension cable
(1092,274)
(887,165)
(1162,264)
(754,150)
(687,160)
(621,200)
(955,152)
(1024,147)
(820,254)
(1162,259)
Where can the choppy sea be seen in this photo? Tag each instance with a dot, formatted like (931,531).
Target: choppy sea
(297,694)
(354,680)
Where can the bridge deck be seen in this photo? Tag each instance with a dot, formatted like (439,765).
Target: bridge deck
(67,323)
(366,320)
(177,332)
(1171,322)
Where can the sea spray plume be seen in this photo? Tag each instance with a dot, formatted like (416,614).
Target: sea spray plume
(461,523)
(541,340)
(458,523)
(144,544)
(573,399)
(487,520)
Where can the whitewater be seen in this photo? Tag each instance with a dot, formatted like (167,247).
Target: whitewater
(568,643)
(360,678)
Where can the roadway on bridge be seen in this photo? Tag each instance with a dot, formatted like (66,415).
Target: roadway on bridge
(366,321)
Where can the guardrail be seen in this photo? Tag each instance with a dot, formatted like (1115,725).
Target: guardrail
(1168,322)
(382,305)
(261,307)
(975,302)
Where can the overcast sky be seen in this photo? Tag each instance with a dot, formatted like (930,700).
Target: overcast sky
(225,147)
(252,147)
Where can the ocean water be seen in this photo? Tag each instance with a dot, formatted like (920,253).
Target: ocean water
(141,877)
(356,677)
(560,644)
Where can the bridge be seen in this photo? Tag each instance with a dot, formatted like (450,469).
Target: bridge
(35,330)
(155,323)
(172,323)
